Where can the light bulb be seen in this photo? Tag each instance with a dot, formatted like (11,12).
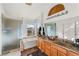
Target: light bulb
(77,22)
(72,39)
(65,37)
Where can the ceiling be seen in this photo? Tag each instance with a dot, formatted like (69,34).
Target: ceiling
(23,11)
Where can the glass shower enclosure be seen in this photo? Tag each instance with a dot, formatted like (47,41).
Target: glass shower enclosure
(11,33)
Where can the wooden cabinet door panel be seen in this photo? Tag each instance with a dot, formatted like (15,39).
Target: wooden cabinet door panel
(47,48)
(53,52)
(48,52)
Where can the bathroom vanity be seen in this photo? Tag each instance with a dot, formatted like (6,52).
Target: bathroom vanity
(56,47)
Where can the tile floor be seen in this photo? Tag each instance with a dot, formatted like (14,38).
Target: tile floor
(14,52)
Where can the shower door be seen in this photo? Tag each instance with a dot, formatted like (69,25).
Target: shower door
(11,32)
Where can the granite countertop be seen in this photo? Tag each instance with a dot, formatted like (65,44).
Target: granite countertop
(67,45)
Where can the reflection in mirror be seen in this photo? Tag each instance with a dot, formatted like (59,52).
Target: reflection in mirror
(50,29)
(69,31)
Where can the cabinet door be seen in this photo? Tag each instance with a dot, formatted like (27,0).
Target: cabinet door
(47,48)
(48,52)
(42,46)
(61,53)
(53,52)
(70,53)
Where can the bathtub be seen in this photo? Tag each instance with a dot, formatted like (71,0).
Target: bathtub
(27,43)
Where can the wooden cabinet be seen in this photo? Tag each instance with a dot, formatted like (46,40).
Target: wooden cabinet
(71,53)
(44,46)
(53,49)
